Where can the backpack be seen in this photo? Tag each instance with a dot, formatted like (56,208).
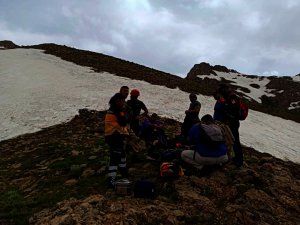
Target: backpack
(211,134)
(243,111)
(237,106)
(171,169)
(145,189)
(169,155)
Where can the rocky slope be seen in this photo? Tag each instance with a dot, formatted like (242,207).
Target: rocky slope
(57,176)
(285,91)
(8,44)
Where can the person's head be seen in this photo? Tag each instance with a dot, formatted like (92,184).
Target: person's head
(153,117)
(193,97)
(135,93)
(224,90)
(217,95)
(117,101)
(207,119)
(124,90)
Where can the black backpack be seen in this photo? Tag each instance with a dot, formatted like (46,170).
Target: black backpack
(169,155)
(145,189)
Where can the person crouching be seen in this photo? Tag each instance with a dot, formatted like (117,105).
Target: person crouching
(209,143)
(115,133)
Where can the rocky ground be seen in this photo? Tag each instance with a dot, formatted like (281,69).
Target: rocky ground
(57,176)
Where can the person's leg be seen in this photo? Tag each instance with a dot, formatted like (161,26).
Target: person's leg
(193,158)
(115,156)
(211,160)
(116,148)
(238,152)
(123,165)
(135,126)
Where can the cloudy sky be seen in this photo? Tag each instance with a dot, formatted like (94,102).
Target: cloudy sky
(253,37)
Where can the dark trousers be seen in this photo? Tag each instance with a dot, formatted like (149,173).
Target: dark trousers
(237,148)
(187,125)
(135,126)
(117,156)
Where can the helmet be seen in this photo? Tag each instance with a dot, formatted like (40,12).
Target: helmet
(135,92)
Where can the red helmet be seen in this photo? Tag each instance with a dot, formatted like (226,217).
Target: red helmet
(135,92)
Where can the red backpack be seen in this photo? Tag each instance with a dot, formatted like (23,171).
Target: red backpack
(243,110)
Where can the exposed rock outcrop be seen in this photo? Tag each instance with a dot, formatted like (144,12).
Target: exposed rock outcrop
(206,69)
(8,44)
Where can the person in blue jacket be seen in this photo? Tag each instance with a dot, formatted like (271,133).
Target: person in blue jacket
(206,152)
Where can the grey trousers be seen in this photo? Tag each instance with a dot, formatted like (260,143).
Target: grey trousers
(200,161)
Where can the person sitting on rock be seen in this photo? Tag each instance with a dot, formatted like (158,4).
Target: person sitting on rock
(154,135)
(115,133)
(210,148)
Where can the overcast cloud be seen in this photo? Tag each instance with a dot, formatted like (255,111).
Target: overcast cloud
(253,37)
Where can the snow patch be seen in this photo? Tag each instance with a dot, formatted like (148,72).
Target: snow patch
(38,90)
(296,78)
(243,81)
(294,105)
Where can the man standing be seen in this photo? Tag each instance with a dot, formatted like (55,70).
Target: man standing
(115,133)
(136,106)
(191,115)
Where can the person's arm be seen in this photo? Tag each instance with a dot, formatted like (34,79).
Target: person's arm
(196,109)
(144,108)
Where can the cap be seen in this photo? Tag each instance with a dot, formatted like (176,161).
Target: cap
(135,92)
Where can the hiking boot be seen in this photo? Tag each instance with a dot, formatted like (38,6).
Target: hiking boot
(111,181)
(124,173)
(237,163)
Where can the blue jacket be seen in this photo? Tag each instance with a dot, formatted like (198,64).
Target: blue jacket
(205,151)
(220,110)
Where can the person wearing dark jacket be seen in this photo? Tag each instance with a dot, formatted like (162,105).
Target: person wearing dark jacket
(191,115)
(136,107)
(219,108)
(231,118)
(115,133)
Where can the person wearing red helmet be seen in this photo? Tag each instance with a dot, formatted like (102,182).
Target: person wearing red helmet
(136,107)
(135,93)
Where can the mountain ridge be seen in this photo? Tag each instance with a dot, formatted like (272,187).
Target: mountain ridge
(277,105)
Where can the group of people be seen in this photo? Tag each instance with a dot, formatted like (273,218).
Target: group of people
(209,138)
(225,123)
